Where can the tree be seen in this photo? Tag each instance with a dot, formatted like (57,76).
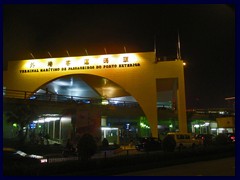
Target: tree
(169,144)
(86,147)
(23,115)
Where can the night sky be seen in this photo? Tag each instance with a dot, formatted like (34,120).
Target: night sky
(207,34)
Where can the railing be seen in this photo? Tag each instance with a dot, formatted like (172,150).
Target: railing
(17,94)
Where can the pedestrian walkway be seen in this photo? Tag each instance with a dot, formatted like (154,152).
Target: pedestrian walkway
(128,147)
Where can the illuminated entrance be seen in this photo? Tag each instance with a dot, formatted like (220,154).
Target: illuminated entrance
(137,73)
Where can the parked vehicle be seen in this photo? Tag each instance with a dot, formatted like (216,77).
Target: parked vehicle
(231,137)
(206,139)
(69,152)
(13,157)
(184,140)
(148,144)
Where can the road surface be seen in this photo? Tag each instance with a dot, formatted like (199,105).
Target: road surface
(219,167)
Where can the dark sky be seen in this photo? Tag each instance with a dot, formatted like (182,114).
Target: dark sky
(207,35)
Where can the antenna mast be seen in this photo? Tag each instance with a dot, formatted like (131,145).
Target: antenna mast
(32,55)
(155,47)
(178,48)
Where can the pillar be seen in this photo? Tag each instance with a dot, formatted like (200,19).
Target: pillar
(181,105)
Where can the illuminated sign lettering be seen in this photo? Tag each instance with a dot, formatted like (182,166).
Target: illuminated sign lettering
(86,61)
(105,60)
(32,65)
(68,62)
(79,63)
(125,59)
(50,63)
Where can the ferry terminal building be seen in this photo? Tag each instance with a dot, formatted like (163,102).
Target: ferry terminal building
(135,77)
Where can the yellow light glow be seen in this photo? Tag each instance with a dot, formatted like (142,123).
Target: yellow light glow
(184,64)
(109,90)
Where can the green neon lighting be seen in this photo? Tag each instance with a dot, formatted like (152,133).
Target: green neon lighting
(142,125)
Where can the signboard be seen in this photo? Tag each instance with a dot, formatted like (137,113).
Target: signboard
(226,122)
(79,63)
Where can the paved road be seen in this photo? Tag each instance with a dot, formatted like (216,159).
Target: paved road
(219,167)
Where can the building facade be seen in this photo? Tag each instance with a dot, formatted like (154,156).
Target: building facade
(136,75)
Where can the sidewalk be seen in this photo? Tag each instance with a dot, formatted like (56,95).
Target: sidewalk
(128,147)
(123,150)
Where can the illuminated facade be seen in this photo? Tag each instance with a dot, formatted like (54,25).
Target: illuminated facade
(137,73)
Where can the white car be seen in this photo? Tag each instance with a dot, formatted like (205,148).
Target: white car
(11,155)
(185,139)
